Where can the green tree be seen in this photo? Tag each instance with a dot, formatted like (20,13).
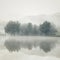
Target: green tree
(47,29)
(23,29)
(35,30)
(29,28)
(12,28)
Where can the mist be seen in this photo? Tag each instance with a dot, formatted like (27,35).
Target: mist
(29,29)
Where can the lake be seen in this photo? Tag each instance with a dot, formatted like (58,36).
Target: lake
(36,52)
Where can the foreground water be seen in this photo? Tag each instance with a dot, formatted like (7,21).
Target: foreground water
(34,53)
(5,55)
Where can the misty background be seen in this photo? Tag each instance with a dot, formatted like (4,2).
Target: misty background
(15,15)
(25,11)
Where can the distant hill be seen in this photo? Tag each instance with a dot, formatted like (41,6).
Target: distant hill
(37,19)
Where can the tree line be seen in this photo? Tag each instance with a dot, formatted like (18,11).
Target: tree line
(16,28)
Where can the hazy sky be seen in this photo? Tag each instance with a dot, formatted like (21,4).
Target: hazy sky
(14,9)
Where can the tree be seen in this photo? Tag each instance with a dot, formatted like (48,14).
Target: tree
(12,27)
(23,29)
(35,30)
(29,28)
(47,29)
